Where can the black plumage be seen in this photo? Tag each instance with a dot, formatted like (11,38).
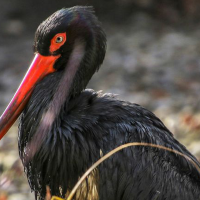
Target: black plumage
(88,124)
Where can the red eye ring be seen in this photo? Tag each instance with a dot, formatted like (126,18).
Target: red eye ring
(57,41)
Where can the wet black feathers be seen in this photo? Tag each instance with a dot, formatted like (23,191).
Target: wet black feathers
(97,122)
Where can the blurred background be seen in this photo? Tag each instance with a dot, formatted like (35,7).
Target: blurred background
(153,59)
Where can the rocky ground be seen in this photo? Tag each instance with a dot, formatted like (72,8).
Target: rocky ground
(147,62)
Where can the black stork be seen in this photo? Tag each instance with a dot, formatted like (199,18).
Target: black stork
(65,128)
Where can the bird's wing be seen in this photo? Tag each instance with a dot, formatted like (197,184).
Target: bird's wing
(103,123)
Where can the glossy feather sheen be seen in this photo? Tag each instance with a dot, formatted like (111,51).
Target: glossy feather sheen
(90,124)
(95,122)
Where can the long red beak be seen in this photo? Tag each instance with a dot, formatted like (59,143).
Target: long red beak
(40,67)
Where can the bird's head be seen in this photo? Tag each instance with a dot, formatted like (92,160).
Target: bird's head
(59,34)
(70,41)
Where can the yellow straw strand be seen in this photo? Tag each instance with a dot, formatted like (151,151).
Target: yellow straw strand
(56,198)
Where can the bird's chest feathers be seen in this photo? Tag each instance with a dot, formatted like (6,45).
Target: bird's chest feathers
(67,150)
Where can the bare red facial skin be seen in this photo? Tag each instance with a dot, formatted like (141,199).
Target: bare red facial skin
(57,41)
(40,67)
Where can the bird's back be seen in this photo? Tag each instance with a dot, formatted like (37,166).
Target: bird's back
(135,172)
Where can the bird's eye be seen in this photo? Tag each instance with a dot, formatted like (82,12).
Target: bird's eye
(59,39)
